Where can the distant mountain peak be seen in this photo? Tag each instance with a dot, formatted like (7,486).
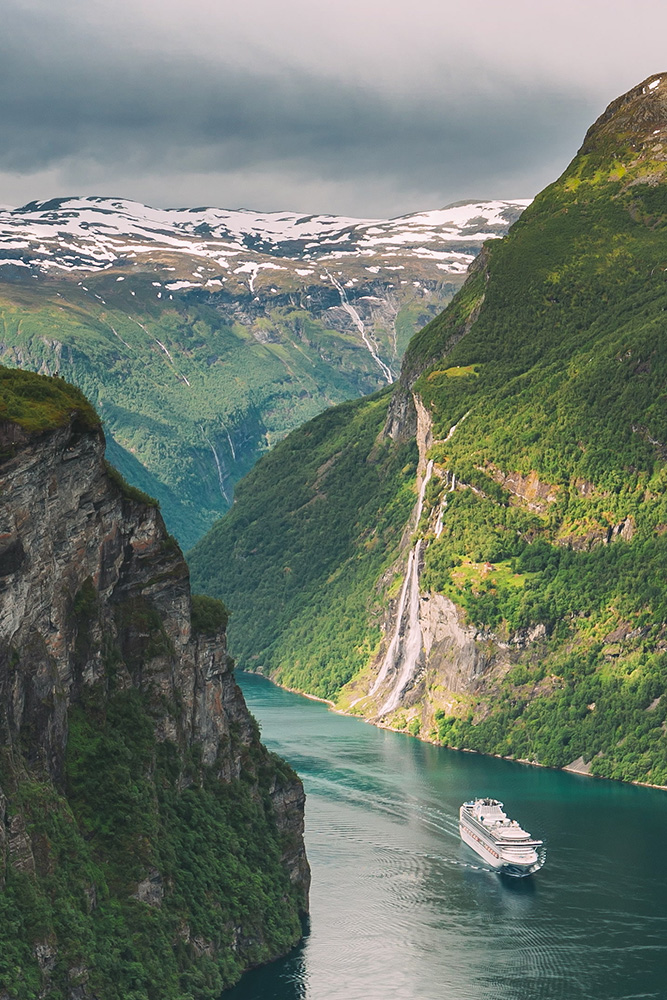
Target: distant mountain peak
(94,233)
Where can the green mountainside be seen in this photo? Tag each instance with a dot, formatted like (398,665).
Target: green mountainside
(189,398)
(204,336)
(313,527)
(541,399)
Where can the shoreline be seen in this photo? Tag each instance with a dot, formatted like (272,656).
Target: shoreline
(311,697)
(404,732)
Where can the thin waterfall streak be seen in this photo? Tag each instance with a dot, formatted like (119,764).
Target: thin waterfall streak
(162,347)
(129,347)
(389,660)
(359,323)
(221,481)
(229,438)
(412,638)
(422,492)
(451,430)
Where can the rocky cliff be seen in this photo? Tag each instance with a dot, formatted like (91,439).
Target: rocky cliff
(148,842)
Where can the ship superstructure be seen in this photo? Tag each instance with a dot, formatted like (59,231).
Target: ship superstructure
(500,841)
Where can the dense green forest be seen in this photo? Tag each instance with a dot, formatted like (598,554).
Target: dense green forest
(552,364)
(315,523)
(131,805)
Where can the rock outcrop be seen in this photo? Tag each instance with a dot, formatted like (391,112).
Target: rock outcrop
(97,641)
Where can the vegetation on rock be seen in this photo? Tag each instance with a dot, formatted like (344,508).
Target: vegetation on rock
(150,846)
(38,404)
(551,363)
(314,525)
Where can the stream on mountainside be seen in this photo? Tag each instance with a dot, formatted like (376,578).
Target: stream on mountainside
(402,910)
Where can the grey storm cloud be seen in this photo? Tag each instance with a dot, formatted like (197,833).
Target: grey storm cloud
(83,99)
(228,119)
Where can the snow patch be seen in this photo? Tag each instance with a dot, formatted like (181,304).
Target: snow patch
(91,234)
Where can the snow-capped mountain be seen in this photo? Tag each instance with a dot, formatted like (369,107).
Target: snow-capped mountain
(204,335)
(92,234)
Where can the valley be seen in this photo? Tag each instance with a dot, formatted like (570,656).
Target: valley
(497,582)
(204,336)
(333,483)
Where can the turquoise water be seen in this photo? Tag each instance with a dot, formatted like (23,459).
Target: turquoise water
(401,910)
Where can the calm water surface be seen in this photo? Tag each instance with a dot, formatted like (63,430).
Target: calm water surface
(401,910)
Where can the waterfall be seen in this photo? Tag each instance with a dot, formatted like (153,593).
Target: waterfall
(443,504)
(451,430)
(406,642)
(411,645)
(217,463)
(359,323)
(389,661)
(229,438)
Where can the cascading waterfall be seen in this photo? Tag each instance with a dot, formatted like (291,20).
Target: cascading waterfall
(359,323)
(411,645)
(229,438)
(165,350)
(443,505)
(406,642)
(221,480)
(451,430)
(391,655)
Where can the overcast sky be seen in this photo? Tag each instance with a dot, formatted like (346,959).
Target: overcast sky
(370,108)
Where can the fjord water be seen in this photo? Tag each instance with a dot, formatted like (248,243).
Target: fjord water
(401,910)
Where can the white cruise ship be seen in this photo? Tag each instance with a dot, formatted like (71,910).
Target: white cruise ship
(500,841)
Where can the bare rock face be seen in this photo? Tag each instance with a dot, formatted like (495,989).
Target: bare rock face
(94,600)
(97,562)
(450,647)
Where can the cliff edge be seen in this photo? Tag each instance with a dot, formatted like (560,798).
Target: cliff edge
(149,844)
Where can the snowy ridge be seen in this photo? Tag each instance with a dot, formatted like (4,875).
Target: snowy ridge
(93,233)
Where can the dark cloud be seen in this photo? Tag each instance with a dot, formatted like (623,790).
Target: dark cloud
(83,107)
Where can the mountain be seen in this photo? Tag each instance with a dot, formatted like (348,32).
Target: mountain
(203,336)
(478,555)
(149,844)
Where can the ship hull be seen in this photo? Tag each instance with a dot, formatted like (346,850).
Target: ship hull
(480,847)
(499,854)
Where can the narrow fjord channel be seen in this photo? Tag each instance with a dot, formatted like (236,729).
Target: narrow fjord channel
(401,910)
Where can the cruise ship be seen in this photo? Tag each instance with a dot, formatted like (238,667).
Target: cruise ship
(500,841)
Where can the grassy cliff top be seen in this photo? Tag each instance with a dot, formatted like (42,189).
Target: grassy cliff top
(41,402)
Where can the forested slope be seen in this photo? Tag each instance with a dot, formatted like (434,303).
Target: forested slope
(545,520)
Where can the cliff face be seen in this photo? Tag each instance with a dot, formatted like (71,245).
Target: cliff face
(439,660)
(127,753)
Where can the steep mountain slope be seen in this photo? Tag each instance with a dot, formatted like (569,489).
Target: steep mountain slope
(149,844)
(203,336)
(526,614)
